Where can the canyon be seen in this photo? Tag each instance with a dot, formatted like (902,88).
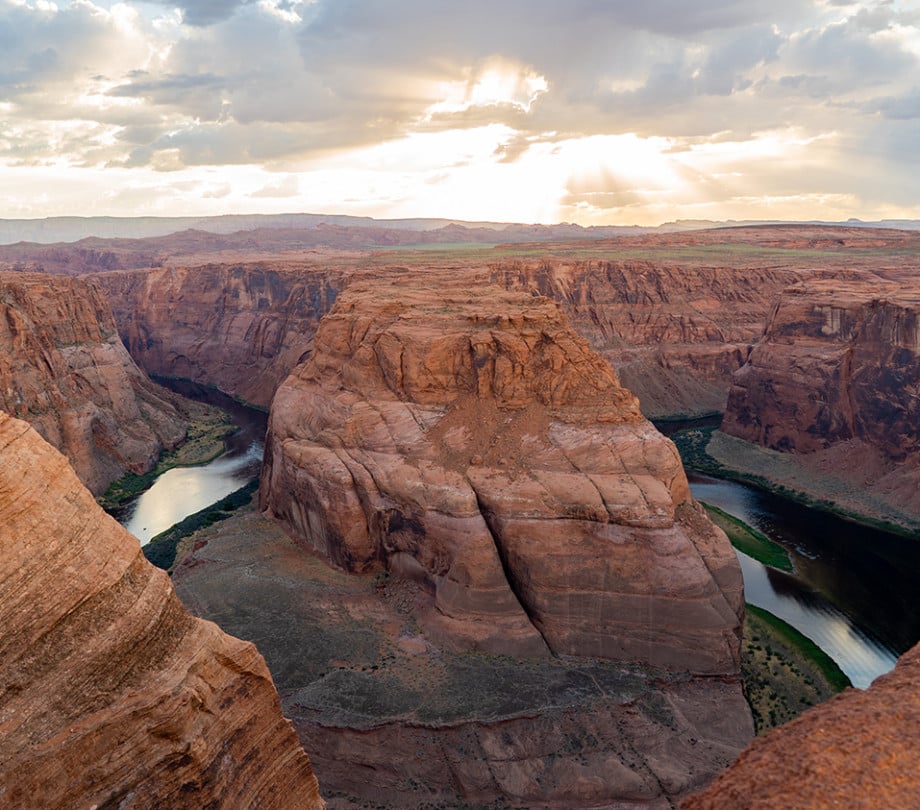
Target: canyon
(470,439)
(65,370)
(111,694)
(477,574)
(833,387)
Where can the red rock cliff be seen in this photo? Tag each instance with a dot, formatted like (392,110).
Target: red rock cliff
(839,365)
(474,441)
(241,328)
(860,749)
(64,369)
(675,332)
(110,693)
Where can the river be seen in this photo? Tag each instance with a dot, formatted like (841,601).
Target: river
(852,591)
(183,491)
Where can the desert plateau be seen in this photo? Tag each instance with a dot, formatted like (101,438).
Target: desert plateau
(459,406)
(478,574)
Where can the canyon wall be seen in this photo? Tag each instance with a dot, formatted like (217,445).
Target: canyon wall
(64,369)
(470,439)
(394,717)
(111,694)
(240,328)
(860,749)
(835,380)
(674,331)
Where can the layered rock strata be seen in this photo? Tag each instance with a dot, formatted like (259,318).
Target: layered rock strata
(471,440)
(64,369)
(111,694)
(835,381)
(240,328)
(674,331)
(391,719)
(860,749)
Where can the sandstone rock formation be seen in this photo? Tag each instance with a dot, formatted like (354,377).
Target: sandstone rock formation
(860,749)
(674,331)
(835,381)
(675,314)
(64,369)
(391,719)
(238,328)
(111,694)
(470,439)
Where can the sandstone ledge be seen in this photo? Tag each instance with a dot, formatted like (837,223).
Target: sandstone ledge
(860,749)
(390,718)
(110,692)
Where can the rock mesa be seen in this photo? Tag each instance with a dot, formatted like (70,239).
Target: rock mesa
(471,440)
(111,694)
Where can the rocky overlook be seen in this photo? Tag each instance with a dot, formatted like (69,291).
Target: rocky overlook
(64,369)
(111,694)
(471,440)
(860,749)
(833,382)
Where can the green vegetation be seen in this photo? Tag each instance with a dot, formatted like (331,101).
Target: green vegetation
(692,443)
(727,253)
(747,539)
(204,441)
(161,550)
(784,672)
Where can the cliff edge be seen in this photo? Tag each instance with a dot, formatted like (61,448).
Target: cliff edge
(860,749)
(65,371)
(111,694)
(832,385)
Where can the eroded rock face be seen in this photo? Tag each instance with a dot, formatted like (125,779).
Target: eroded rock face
(391,719)
(471,440)
(240,328)
(674,331)
(111,694)
(839,365)
(64,369)
(860,749)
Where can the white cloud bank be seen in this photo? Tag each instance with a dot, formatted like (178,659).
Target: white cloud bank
(595,111)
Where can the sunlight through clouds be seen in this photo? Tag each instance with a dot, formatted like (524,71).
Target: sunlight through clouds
(601,114)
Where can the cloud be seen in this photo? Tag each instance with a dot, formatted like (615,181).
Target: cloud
(285,187)
(205,12)
(291,86)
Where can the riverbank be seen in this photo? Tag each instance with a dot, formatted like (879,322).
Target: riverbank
(747,539)
(205,440)
(784,672)
(166,547)
(797,478)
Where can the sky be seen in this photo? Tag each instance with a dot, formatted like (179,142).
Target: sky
(589,111)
